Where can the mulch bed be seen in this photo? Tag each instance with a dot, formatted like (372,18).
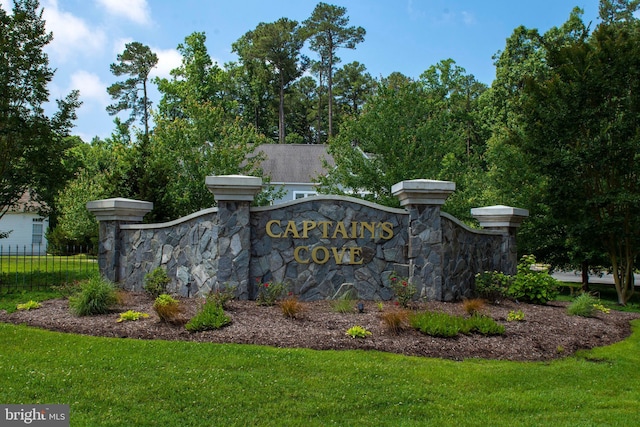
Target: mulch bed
(546,333)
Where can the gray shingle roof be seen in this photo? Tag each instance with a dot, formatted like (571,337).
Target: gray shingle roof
(294,163)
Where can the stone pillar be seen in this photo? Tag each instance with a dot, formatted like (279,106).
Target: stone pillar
(111,213)
(234,194)
(506,220)
(423,199)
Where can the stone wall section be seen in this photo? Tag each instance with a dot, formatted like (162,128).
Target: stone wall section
(272,259)
(466,253)
(187,248)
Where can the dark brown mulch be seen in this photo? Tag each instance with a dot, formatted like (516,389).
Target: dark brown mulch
(547,332)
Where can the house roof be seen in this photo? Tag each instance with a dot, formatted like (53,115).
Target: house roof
(294,163)
(26,204)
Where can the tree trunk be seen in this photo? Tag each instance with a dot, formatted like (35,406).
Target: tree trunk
(281,111)
(330,93)
(585,276)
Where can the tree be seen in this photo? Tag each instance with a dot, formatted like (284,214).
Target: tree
(32,145)
(277,44)
(584,137)
(353,86)
(136,61)
(328,31)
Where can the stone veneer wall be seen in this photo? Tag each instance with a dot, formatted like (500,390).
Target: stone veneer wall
(187,248)
(230,245)
(272,259)
(467,252)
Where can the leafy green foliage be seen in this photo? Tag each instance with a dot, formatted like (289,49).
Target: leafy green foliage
(447,326)
(270,292)
(131,316)
(536,287)
(343,305)
(156,282)
(358,332)
(29,305)
(515,316)
(586,305)
(97,296)
(492,285)
(222,295)
(403,289)
(211,316)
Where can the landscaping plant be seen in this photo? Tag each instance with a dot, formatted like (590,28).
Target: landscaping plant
(357,332)
(97,296)
(222,295)
(29,305)
(168,309)
(156,282)
(131,315)
(395,321)
(291,307)
(586,305)
(403,289)
(270,292)
(447,326)
(211,316)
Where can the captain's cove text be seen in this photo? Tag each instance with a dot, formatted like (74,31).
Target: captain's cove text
(329,230)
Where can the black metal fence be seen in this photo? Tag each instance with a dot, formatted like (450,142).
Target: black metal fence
(30,267)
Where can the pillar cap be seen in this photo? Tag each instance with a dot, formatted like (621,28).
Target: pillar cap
(119,209)
(423,191)
(499,216)
(234,187)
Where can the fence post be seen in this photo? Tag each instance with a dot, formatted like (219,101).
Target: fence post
(111,213)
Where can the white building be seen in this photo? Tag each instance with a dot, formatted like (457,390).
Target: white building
(27,229)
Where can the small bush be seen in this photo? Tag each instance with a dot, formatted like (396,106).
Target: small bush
(536,287)
(473,306)
(395,321)
(291,307)
(156,282)
(448,326)
(403,289)
(586,305)
(210,317)
(357,332)
(168,309)
(222,295)
(343,305)
(29,305)
(131,315)
(492,285)
(269,293)
(97,296)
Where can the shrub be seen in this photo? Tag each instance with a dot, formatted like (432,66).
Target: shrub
(168,309)
(395,321)
(29,305)
(210,316)
(403,289)
(473,306)
(448,326)
(131,315)
(156,282)
(222,295)
(585,305)
(343,305)
(536,287)
(269,293)
(97,296)
(492,285)
(291,307)
(357,332)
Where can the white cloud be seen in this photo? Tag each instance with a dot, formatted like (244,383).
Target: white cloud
(133,10)
(91,88)
(71,35)
(168,59)
(468,18)
(7,5)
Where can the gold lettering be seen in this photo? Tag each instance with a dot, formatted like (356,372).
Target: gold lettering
(291,228)
(340,228)
(338,255)
(323,225)
(306,227)
(354,229)
(271,233)
(371,226)
(353,252)
(387,228)
(314,255)
(296,254)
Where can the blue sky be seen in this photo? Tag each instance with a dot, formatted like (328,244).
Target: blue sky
(402,35)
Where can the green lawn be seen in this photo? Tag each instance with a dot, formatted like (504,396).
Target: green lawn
(24,272)
(124,382)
